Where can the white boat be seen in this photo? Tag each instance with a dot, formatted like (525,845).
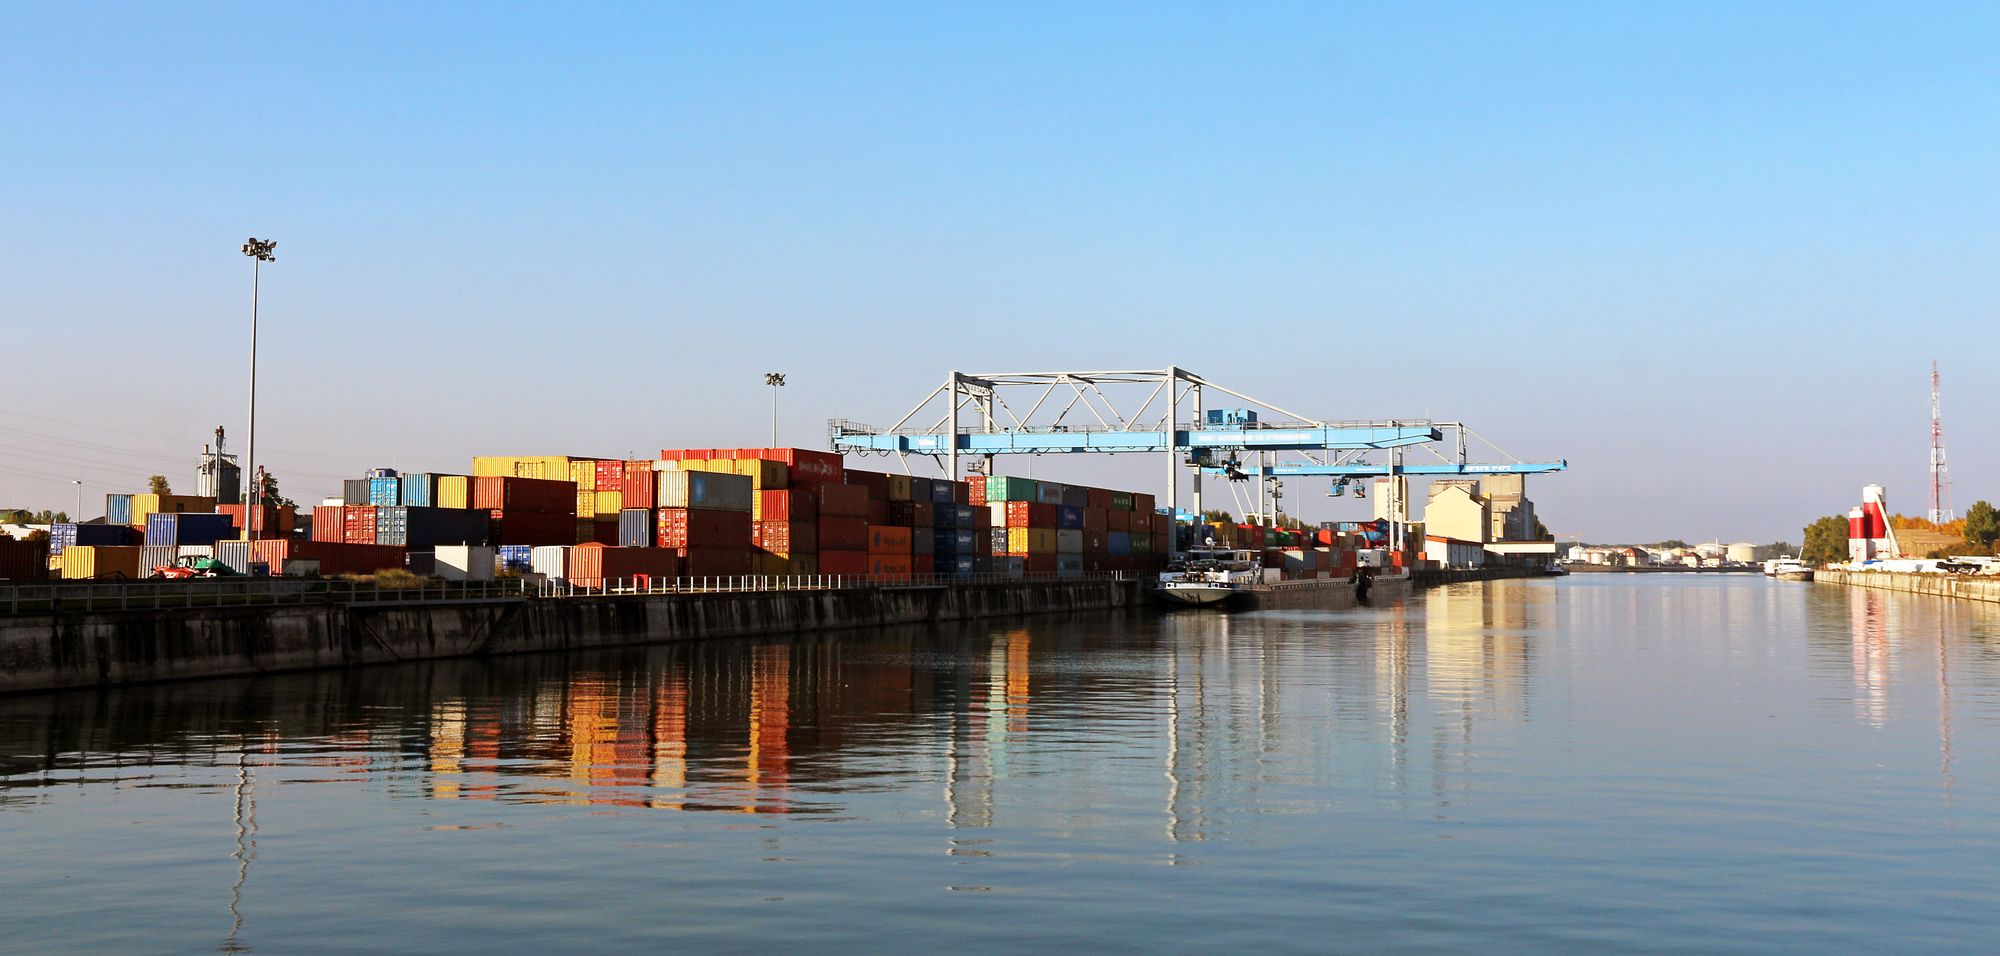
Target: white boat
(1207,576)
(1788,569)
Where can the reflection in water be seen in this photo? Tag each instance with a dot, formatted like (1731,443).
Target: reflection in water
(1090,729)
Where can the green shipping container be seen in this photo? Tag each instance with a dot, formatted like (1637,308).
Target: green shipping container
(1003,488)
(1121,501)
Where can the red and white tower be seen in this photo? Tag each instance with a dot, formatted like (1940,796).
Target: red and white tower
(1940,477)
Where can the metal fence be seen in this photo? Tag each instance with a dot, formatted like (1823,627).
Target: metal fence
(17,598)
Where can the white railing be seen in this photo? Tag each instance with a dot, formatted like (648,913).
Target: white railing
(808,582)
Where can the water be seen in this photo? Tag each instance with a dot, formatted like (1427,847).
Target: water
(1610,763)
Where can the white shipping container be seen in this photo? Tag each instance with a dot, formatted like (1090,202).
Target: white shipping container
(1070,542)
(197,551)
(465,562)
(551,561)
(999,511)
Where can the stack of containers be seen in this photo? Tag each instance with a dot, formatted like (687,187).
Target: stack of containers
(170,536)
(1025,520)
(704,516)
(910,507)
(889,555)
(117,509)
(84,562)
(325,557)
(843,528)
(960,545)
(638,522)
(23,560)
(145,506)
(271,519)
(526,511)
(596,566)
(69,534)
(427,528)
(426,490)
(1149,534)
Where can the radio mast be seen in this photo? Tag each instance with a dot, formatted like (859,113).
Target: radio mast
(1940,477)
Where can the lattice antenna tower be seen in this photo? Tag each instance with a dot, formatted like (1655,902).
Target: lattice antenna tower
(1941,511)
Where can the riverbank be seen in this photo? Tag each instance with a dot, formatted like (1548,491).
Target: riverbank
(1960,586)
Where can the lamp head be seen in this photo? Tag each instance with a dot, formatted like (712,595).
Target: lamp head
(774,379)
(260,249)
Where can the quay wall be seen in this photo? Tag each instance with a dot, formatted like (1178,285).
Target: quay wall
(88,648)
(1961,586)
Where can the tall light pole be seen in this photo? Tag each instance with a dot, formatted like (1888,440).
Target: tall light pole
(777,381)
(78,517)
(259,251)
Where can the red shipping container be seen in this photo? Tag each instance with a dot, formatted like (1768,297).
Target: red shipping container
(889,567)
(975,490)
(807,467)
(789,504)
(1162,524)
(329,523)
(1142,502)
(1096,519)
(843,501)
(786,537)
(1040,563)
(876,482)
(269,517)
(23,560)
(911,514)
(714,562)
(604,532)
(843,534)
(960,494)
(532,528)
(848,563)
(1028,514)
(611,476)
(640,488)
(1097,498)
(1094,544)
(524,494)
(886,539)
(358,524)
(701,528)
(592,565)
(1115,520)
(334,558)
(878,511)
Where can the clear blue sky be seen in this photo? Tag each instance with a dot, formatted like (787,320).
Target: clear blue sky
(1705,251)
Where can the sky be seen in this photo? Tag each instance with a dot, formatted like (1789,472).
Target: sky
(1704,252)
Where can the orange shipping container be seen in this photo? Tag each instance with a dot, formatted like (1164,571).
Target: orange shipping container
(888,539)
(592,565)
(889,567)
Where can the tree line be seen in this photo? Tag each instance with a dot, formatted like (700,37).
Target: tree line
(1826,539)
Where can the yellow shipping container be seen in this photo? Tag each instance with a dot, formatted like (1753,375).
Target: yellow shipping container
(521,466)
(721,465)
(583,471)
(763,475)
(609,503)
(454,491)
(85,562)
(145,506)
(899,487)
(586,505)
(1031,541)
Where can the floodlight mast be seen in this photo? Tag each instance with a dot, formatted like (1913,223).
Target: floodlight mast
(260,251)
(777,381)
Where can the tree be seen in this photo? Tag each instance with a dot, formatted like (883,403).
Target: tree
(269,495)
(1982,526)
(1776,549)
(1668,544)
(1826,541)
(1542,531)
(1215,515)
(157,485)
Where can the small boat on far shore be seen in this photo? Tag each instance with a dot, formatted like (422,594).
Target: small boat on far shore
(1788,569)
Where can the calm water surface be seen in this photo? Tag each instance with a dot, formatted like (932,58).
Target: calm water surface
(1607,763)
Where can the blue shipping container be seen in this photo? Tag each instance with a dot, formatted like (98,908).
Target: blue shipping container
(95,535)
(384,492)
(419,491)
(920,490)
(638,528)
(943,492)
(944,517)
(1118,542)
(117,509)
(430,527)
(953,565)
(1069,518)
(968,516)
(176,529)
(517,557)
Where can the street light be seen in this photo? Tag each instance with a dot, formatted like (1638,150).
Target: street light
(259,251)
(777,381)
(78,517)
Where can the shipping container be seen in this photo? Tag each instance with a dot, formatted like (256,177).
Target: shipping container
(841,501)
(1009,565)
(1007,488)
(69,534)
(900,488)
(430,527)
(997,541)
(638,528)
(843,534)
(843,562)
(515,558)
(596,566)
(956,542)
(944,492)
(145,506)
(944,517)
(920,489)
(583,474)
(921,541)
(354,491)
(795,504)
(1069,565)
(1069,518)
(329,523)
(611,476)
(172,529)
(23,560)
(888,539)
(785,537)
(764,475)
(117,510)
(910,514)
(385,492)
(875,483)
(953,565)
(358,524)
(1022,514)
(803,466)
(975,490)
(546,467)
(703,528)
(551,561)
(609,504)
(454,491)
(154,557)
(529,528)
(1031,540)
(86,562)
(271,519)
(714,562)
(1118,543)
(888,567)
(640,487)
(523,494)
(711,491)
